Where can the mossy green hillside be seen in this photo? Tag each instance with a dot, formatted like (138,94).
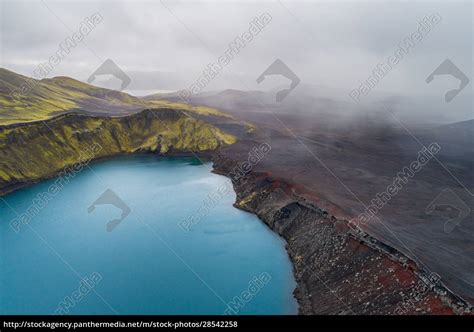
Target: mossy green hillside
(24,99)
(33,151)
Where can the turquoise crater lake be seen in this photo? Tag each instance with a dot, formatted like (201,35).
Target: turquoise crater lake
(173,252)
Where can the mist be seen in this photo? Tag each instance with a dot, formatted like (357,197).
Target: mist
(332,48)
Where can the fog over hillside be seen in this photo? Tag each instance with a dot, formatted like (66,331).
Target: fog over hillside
(346,127)
(332,47)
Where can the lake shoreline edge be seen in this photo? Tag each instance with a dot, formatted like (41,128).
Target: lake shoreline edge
(277,205)
(273,202)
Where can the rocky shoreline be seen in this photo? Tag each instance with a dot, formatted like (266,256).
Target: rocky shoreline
(339,269)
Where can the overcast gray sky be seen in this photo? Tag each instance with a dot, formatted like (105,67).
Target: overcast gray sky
(166,45)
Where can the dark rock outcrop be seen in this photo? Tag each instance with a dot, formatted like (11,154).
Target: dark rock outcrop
(339,268)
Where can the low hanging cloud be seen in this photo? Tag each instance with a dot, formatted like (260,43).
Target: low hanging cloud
(164,46)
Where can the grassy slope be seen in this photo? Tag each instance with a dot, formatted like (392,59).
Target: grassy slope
(51,126)
(50,97)
(38,150)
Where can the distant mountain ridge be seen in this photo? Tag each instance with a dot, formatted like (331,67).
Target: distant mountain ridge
(24,99)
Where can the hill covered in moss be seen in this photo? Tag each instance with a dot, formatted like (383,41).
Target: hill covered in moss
(24,99)
(42,149)
(53,125)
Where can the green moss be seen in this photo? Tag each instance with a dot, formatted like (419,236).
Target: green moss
(37,150)
(46,98)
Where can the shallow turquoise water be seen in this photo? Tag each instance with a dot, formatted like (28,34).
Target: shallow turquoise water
(147,264)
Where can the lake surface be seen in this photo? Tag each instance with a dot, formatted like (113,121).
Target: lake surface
(180,248)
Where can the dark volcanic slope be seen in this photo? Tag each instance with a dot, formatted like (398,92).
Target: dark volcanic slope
(321,171)
(339,269)
(343,159)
